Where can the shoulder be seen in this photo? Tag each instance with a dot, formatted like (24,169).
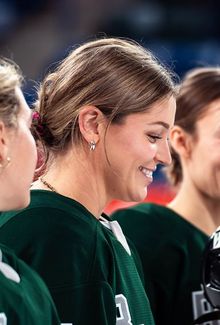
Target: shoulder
(18,281)
(149,216)
(141,210)
(49,212)
(155,228)
(28,277)
(45,232)
(144,217)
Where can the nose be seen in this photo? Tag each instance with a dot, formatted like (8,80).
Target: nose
(163,155)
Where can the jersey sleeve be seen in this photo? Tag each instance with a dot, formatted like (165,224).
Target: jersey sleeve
(27,301)
(49,248)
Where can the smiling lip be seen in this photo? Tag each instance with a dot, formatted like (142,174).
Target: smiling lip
(148,173)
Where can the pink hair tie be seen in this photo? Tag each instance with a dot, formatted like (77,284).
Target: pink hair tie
(37,123)
(35,116)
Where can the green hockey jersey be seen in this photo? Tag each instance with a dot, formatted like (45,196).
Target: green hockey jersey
(87,264)
(24,298)
(171,251)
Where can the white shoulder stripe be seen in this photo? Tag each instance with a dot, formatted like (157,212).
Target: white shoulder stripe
(8,271)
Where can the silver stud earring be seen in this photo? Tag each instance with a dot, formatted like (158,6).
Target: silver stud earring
(92,145)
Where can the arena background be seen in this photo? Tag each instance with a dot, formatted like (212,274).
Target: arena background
(183,34)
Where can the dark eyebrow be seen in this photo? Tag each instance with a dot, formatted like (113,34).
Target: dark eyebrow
(165,125)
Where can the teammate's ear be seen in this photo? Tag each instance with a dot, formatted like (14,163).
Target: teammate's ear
(181,141)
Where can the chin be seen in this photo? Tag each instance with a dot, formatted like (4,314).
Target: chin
(138,197)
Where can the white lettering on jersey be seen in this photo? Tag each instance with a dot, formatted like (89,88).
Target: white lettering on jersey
(3,319)
(201,306)
(123,314)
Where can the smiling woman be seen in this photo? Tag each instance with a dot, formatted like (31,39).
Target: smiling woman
(171,239)
(141,150)
(24,298)
(104,116)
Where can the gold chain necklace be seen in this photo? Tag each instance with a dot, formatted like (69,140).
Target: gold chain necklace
(48,185)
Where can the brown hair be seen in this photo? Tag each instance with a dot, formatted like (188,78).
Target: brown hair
(10,78)
(117,76)
(199,88)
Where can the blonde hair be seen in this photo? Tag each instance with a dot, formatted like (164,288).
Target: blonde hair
(117,76)
(10,78)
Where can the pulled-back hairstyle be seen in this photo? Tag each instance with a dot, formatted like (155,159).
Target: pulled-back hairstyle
(10,78)
(117,76)
(199,88)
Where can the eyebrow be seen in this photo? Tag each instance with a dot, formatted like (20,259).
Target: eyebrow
(165,125)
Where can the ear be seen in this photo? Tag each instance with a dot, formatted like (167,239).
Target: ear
(181,141)
(3,143)
(90,118)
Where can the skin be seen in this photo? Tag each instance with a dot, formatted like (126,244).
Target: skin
(142,144)
(200,160)
(18,144)
(114,170)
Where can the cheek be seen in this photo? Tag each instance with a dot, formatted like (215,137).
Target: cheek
(33,149)
(142,150)
(118,146)
(198,155)
(29,148)
(145,151)
(129,149)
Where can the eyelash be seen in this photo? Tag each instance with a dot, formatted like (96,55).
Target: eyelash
(153,138)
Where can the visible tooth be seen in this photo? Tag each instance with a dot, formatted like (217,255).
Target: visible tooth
(146,172)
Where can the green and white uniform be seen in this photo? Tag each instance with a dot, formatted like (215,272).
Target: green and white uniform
(24,298)
(92,276)
(171,250)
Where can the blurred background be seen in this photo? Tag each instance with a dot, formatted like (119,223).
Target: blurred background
(182,34)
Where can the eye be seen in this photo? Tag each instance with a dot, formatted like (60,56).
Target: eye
(153,138)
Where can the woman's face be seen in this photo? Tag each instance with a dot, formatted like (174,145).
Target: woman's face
(203,165)
(134,148)
(17,176)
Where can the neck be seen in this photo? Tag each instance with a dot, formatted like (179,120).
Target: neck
(197,208)
(73,179)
